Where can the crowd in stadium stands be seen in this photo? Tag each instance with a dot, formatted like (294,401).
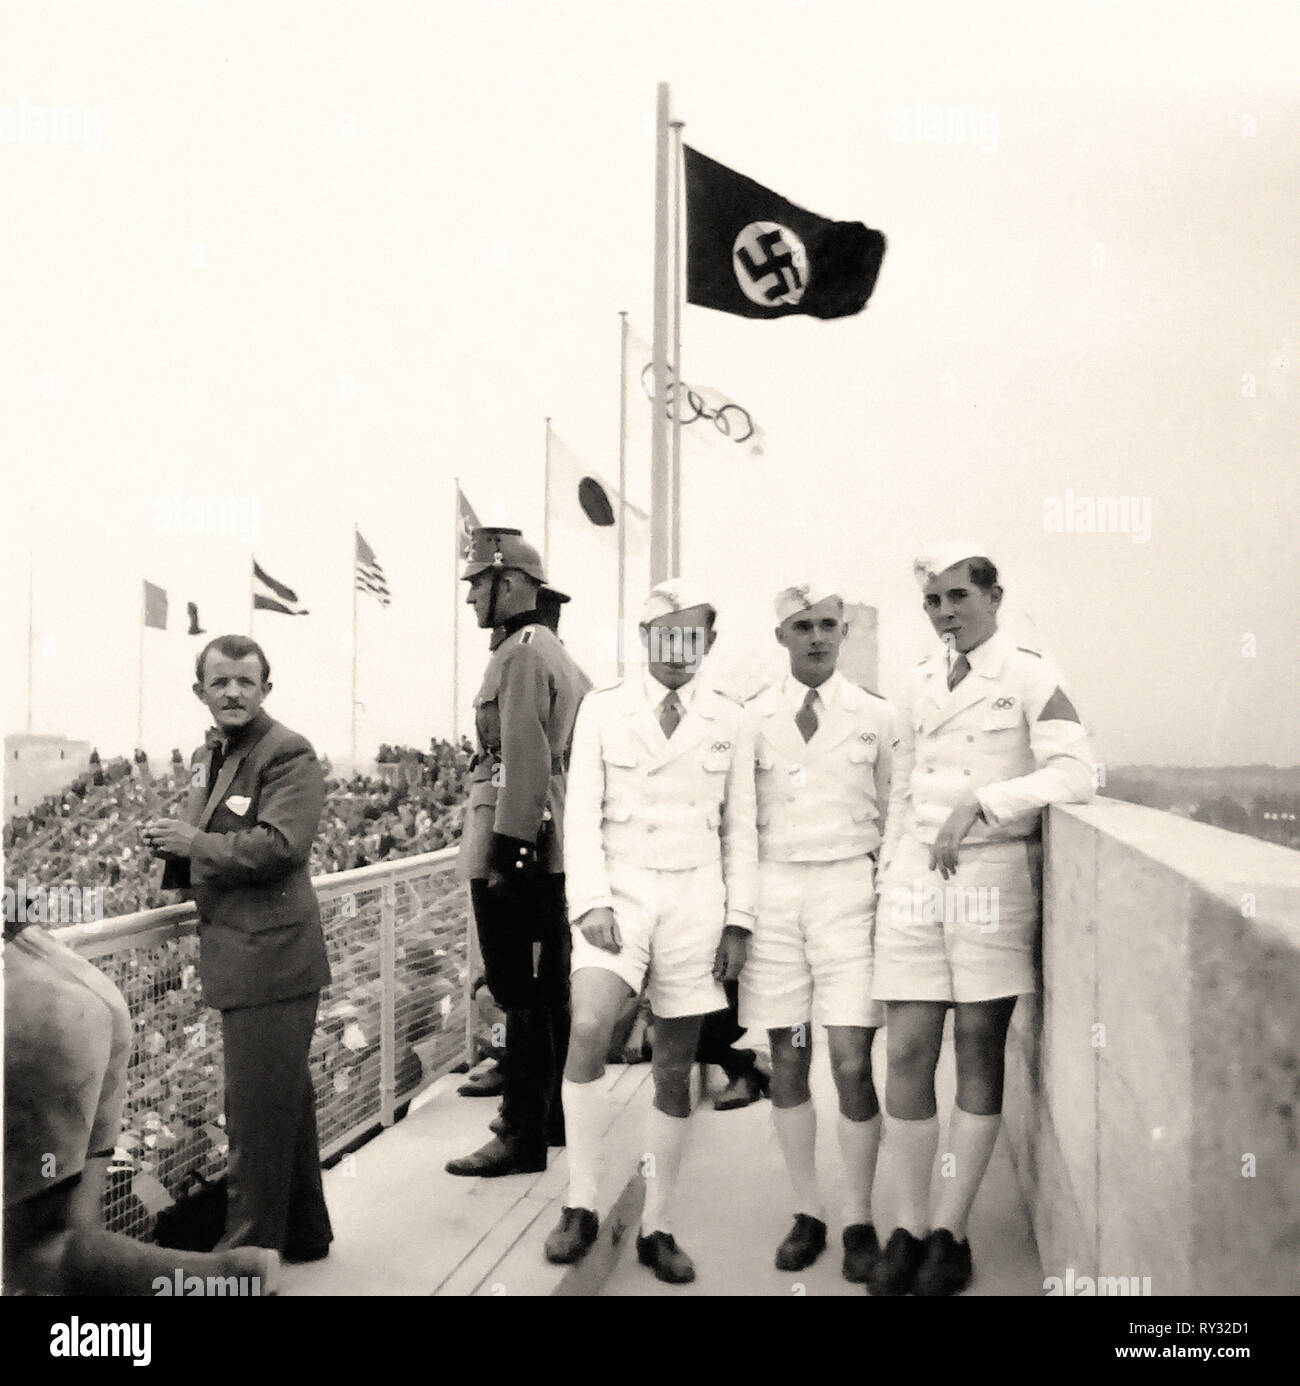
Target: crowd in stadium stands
(88,835)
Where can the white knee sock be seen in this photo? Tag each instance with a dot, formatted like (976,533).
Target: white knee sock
(665,1143)
(796,1130)
(909,1158)
(584,1130)
(859,1144)
(970,1141)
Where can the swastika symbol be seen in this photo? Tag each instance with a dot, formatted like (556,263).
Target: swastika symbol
(771,264)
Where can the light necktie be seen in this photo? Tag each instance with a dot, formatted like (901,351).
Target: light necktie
(960,668)
(670,714)
(806,718)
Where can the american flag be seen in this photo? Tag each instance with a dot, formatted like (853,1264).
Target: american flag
(370,576)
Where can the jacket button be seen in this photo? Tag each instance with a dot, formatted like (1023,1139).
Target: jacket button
(653,827)
(965,772)
(970,738)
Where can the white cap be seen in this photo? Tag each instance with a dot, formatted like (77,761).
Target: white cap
(940,557)
(802,595)
(676,594)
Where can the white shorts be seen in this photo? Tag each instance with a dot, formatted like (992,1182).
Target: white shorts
(810,956)
(670,923)
(972,937)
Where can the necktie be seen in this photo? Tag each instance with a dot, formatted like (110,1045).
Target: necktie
(960,668)
(806,718)
(670,714)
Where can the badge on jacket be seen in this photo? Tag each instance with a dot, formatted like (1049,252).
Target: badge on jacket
(238,803)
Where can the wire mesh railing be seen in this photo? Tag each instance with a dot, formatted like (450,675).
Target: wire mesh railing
(395,1018)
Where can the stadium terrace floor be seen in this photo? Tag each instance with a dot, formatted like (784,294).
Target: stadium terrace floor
(403,1226)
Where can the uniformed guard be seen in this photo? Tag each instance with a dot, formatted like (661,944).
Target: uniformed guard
(824,755)
(660,850)
(988,740)
(511,846)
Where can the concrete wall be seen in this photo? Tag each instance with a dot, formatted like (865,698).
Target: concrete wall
(1153,1093)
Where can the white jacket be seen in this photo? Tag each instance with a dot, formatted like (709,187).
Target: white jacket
(670,804)
(824,799)
(986,741)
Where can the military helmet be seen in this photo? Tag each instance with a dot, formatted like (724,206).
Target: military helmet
(493,547)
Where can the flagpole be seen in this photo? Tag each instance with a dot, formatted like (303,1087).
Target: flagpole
(622,490)
(354,647)
(252,593)
(31,607)
(678,382)
(546,503)
(455,615)
(139,706)
(660,476)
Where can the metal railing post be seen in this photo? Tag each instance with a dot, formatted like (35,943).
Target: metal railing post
(388,1003)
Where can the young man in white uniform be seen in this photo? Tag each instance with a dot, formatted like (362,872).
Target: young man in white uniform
(823,750)
(989,739)
(661,852)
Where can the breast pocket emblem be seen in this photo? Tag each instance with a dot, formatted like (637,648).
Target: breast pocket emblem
(1003,703)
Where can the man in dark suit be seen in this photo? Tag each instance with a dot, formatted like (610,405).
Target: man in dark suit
(243,849)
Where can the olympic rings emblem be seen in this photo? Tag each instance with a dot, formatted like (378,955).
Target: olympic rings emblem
(732,420)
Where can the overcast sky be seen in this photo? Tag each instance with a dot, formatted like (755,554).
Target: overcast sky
(317,259)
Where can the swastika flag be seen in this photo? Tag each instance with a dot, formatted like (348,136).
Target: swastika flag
(752,253)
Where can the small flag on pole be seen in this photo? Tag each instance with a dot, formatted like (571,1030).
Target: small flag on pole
(155,606)
(270,595)
(369,575)
(466,521)
(193,611)
(752,253)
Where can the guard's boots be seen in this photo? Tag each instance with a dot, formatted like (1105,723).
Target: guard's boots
(520,1148)
(512,1155)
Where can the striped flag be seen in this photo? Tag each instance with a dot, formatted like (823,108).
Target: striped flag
(466,521)
(155,606)
(369,574)
(270,595)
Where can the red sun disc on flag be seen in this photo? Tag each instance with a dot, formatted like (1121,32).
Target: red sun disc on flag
(595,503)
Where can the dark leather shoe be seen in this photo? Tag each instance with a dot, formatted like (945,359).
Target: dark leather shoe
(669,1262)
(861,1251)
(492,1083)
(947,1268)
(803,1244)
(897,1265)
(741,1091)
(511,1156)
(573,1236)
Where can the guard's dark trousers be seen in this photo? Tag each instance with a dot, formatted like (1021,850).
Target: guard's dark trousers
(535,998)
(274,1193)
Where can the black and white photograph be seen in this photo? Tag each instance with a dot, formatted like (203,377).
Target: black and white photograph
(649,656)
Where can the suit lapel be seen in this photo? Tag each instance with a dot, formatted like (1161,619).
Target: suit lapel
(228,769)
(973,689)
(197,796)
(837,720)
(691,730)
(640,720)
(778,727)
